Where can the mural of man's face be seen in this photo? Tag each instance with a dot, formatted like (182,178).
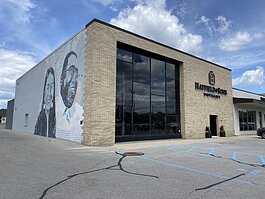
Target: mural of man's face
(70,81)
(49,91)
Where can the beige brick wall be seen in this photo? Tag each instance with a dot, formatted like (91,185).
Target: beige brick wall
(100,85)
(198,107)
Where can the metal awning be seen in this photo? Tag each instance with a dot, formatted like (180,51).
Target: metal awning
(249,101)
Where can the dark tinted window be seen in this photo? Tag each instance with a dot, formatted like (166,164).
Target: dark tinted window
(124,83)
(171,96)
(141,69)
(158,111)
(170,68)
(124,55)
(147,92)
(247,120)
(157,77)
(141,111)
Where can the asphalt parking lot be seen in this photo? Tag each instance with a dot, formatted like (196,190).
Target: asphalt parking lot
(38,167)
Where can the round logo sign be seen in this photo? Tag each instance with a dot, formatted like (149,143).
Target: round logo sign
(211,77)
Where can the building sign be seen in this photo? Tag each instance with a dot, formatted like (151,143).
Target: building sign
(211,77)
(211,91)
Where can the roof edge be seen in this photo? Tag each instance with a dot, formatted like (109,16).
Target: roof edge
(248,92)
(153,41)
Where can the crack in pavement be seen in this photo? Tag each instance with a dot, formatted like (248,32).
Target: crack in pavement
(119,165)
(207,192)
(212,185)
(245,163)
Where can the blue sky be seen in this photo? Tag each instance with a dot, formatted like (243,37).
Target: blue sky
(230,33)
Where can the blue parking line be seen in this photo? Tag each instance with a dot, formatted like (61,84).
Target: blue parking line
(255,172)
(211,152)
(262,159)
(173,147)
(182,151)
(194,170)
(234,155)
(189,150)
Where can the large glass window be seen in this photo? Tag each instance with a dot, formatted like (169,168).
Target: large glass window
(171,71)
(158,77)
(172,100)
(124,93)
(141,110)
(124,55)
(158,113)
(124,84)
(141,69)
(247,120)
(147,96)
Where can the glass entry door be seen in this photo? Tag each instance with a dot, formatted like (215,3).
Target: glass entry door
(213,124)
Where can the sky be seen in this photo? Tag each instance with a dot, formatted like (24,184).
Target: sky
(227,32)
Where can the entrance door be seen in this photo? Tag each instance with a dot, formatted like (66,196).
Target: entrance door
(213,124)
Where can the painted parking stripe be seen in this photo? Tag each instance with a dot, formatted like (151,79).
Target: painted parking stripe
(211,152)
(185,152)
(256,172)
(262,159)
(97,153)
(234,155)
(189,150)
(194,170)
(200,147)
(175,146)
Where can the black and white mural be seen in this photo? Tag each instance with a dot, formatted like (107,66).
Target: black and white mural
(63,87)
(69,82)
(69,97)
(46,122)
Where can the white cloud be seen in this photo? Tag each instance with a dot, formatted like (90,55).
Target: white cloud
(221,27)
(258,35)
(106,2)
(16,21)
(203,20)
(243,59)
(206,21)
(20,9)
(13,65)
(250,78)
(114,8)
(151,19)
(216,61)
(235,43)
(224,24)
(3,104)
(181,9)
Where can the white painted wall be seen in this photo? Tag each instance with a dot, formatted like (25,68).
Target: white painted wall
(29,92)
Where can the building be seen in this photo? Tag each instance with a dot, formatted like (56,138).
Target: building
(2,118)
(249,111)
(106,84)
(9,114)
